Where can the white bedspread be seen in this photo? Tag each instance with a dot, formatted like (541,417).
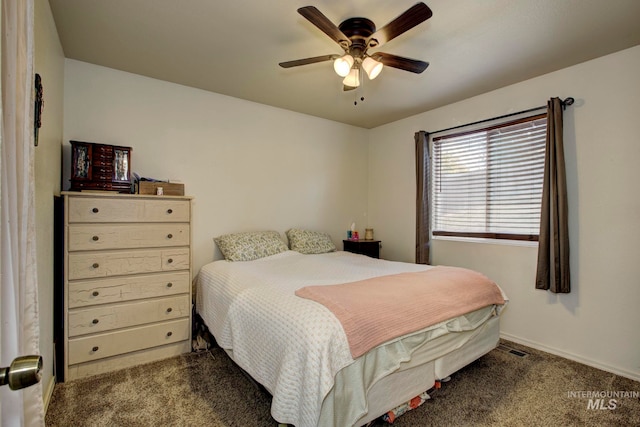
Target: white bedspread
(292,346)
(268,329)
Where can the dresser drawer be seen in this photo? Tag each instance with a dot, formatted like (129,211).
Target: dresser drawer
(83,293)
(84,237)
(91,320)
(107,344)
(85,265)
(105,209)
(127,360)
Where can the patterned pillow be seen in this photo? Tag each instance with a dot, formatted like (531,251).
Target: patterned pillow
(309,242)
(250,245)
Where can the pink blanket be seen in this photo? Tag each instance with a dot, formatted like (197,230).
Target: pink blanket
(377,310)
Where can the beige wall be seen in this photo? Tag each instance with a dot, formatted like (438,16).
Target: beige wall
(248,166)
(597,322)
(49,63)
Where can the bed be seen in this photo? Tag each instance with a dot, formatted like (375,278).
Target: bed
(297,347)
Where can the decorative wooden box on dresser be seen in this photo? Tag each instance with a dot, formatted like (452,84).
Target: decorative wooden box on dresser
(127,281)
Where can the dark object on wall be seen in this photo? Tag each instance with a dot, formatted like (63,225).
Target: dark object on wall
(39,105)
(100,167)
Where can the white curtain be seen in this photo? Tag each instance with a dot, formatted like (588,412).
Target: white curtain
(19,331)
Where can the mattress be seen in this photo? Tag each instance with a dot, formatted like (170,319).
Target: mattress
(295,347)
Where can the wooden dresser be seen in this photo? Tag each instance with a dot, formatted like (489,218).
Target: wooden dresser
(127,280)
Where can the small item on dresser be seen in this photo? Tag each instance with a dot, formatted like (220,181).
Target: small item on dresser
(168,188)
(159,191)
(355,236)
(368,234)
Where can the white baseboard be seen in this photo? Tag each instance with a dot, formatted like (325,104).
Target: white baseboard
(48,393)
(538,346)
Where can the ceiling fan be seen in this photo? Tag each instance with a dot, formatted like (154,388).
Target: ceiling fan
(356,36)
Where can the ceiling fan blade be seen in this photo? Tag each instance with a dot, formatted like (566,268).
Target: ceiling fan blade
(316,17)
(413,16)
(400,62)
(305,61)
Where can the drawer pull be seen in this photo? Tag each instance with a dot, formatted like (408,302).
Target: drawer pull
(169,236)
(95,265)
(169,285)
(95,293)
(170,260)
(169,333)
(169,310)
(94,349)
(169,211)
(95,321)
(95,238)
(95,210)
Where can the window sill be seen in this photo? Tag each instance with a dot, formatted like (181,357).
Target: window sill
(504,242)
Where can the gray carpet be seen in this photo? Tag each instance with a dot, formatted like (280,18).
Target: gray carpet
(207,389)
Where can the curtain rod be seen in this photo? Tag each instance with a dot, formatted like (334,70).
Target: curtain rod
(567,101)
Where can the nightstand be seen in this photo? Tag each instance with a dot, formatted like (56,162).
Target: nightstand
(369,248)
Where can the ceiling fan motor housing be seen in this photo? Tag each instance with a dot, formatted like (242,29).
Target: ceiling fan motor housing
(358,30)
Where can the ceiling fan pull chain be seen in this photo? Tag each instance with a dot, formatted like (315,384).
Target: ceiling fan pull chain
(358,89)
(355,94)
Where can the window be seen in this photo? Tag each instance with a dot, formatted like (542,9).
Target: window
(488,182)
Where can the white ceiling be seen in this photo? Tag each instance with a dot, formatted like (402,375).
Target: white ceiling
(234,47)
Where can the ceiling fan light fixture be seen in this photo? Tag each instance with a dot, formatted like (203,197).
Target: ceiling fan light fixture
(372,67)
(353,78)
(343,65)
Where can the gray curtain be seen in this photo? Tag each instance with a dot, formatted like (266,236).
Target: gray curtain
(422,198)
(553,246)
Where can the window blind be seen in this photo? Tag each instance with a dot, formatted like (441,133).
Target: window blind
(488,182)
